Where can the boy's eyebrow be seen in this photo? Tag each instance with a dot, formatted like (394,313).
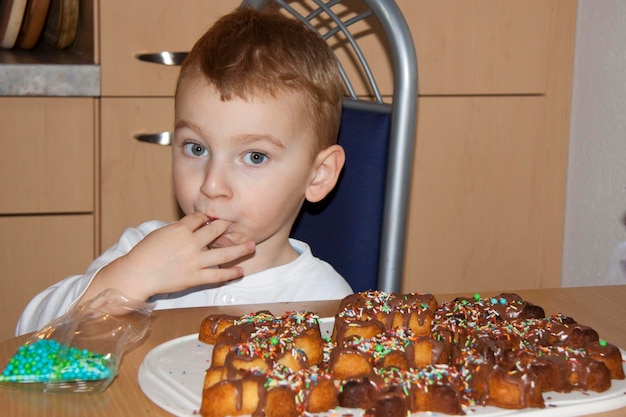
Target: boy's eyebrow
(240,139)
(180,124)
(253,137)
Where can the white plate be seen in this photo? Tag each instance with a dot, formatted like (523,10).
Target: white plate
(172,375)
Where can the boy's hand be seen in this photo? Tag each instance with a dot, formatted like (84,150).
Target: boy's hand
(173,258)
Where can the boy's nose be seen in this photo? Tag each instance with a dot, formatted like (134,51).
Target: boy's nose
(216,181)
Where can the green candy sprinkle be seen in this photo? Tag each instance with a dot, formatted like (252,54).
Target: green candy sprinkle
(602,342)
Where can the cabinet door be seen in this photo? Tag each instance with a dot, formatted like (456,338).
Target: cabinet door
(128,28)
(136,177)
(479,217)
(38,251)
(467,46)
(481,46)
(47,158)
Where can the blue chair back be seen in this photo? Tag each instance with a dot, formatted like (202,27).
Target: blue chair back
(345,228)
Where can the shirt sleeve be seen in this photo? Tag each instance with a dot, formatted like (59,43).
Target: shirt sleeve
(59,298)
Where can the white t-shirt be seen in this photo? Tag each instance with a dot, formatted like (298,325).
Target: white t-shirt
(307,278)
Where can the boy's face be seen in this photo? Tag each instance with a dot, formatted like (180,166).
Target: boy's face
(248,162)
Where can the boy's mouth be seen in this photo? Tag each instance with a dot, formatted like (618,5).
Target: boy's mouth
(211,219)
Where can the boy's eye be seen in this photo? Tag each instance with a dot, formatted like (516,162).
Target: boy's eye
(255,158)
(194,149)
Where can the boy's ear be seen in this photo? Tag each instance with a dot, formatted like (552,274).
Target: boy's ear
(326,169)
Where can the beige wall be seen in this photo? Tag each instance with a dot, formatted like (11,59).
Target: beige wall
(595,234)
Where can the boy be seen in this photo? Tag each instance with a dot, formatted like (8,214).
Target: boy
(258,104)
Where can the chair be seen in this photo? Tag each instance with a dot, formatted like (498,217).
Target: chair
(360,227)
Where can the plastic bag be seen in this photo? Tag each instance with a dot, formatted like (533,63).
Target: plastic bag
(81,350)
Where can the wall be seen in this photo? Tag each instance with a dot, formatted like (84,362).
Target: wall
(594,250)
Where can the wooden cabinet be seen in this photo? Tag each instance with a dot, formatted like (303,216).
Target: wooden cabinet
(487,194)
(47,174)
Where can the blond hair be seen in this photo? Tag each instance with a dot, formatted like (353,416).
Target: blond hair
(248,52)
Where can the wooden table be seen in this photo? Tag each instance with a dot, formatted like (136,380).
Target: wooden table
(603,308)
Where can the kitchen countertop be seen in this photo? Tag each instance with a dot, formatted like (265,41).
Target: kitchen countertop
(48,73)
